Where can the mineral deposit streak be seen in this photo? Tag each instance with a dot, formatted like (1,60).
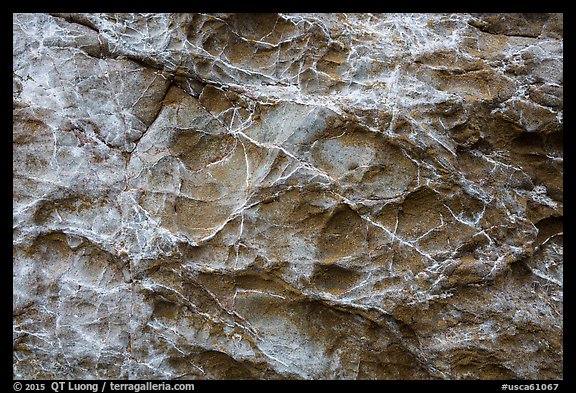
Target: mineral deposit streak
(287,196)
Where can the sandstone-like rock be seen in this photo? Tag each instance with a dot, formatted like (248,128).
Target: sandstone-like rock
(288,196)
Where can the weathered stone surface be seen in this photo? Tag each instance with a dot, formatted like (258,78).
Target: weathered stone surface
(272,196)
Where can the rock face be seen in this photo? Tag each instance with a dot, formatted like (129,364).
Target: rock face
(267,196)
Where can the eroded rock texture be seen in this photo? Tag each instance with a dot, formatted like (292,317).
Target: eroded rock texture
(272,196)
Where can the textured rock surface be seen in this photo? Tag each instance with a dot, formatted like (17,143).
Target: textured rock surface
(287,196)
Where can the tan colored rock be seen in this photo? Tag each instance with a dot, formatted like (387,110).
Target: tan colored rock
(288,196)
